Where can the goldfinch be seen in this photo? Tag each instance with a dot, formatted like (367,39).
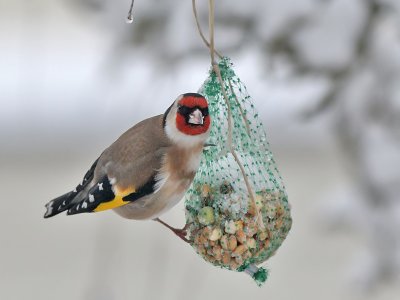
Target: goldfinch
(148,169)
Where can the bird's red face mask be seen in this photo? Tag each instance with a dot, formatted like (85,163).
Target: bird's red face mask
(192,117)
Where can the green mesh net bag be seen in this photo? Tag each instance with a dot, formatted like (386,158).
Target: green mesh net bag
(237,213)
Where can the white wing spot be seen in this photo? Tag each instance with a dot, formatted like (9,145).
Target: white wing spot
(74,190)
(77,207)
(91,198)
(100,186)
(113,180)
(84,205)
(161,179)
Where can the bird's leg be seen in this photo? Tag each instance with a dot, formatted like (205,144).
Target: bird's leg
(179,232)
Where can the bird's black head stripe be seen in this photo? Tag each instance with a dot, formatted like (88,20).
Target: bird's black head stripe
(166,114)
(196,95)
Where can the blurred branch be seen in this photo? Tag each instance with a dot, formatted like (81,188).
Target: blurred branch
(340,78)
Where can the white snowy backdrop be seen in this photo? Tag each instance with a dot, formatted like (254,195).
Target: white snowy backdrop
(324,76)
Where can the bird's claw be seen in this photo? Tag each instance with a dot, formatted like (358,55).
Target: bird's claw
(181,233)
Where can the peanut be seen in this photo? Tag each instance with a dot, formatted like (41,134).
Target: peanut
(205,190)
(224,242)
(262,235)
(239,250)
(251,243)
(226,257)
(217,251)
(239,260)
(216,234)
(230,227)
(241,236)
(232,243)
(239,225)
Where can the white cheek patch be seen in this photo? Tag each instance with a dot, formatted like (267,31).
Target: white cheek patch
(184,139)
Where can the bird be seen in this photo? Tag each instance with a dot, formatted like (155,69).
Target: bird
(148,169)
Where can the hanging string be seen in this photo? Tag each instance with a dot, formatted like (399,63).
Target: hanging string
(129,18)
(211,18)
(194,6)
(211,46)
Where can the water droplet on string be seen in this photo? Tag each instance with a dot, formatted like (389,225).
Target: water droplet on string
(129,19)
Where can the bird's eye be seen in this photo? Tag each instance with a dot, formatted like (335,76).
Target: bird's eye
(184,110)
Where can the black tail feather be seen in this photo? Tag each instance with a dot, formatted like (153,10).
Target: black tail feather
(59,204)
(65,201)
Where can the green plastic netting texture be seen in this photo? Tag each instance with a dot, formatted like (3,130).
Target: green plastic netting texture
(230,225)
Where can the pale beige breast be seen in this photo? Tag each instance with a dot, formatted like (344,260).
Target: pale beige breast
(176,175)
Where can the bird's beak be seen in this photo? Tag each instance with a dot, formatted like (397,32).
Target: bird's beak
(196,118)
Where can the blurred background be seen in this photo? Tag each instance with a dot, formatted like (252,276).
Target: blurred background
(324,75)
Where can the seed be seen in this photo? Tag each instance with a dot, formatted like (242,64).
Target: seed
(201,250)
(226,188)
(279,210)
(239,260)
(232,243)
(239,225)
(262,235)
(217,251)
(210,258)
(233,265)
(202,239)
(230,227)
(226,257)
(216,234)
(246,255)
(251,243)
(206,231)
(270,210)
(241,236)
(205,190)
(250,228)
(279,223)
(239,250)
(224,242)
(206,215)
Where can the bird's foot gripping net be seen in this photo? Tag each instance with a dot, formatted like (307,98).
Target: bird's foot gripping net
(237,211)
